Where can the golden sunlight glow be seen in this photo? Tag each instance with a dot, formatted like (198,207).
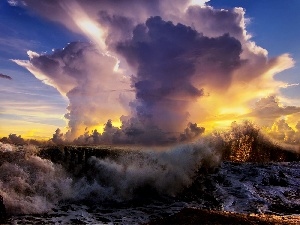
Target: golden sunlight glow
(91,29)
(25,129)
(234,110)
(100,128)
(221,107)
(86,24)
(214,125)
(117,123)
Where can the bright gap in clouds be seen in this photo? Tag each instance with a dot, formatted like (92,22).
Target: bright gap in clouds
(100,128)
(198,2)
(89,27)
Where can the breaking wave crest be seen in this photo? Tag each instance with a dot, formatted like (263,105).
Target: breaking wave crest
(31,184)
(28,183)
(135,174)
(36,179)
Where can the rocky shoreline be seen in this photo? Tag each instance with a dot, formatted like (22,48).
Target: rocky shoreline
(202,216)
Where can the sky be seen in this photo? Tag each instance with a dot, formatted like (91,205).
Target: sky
(147,70)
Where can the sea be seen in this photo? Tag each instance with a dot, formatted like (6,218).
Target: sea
(126,185)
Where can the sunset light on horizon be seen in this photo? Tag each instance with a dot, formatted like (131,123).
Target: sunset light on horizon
(85,67)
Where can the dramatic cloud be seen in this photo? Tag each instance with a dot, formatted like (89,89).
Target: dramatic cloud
(268,109)
(81,16)
(5,76)
(253,80)
(280,122)
(283,132)
(155,67)
(165,57)
(87,78)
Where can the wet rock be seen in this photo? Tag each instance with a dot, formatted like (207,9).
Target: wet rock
(275,180)
(2,210)
(201,216)
(77,221)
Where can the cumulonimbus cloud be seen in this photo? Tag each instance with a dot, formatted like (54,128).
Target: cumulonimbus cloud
(155,65)
(87,78)
(165,57)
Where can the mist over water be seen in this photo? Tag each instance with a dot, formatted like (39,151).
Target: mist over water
(32,183)
(165,172)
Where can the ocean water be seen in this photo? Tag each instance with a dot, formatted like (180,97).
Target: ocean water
(132,186)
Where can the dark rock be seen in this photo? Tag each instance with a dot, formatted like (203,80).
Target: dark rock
(2,210)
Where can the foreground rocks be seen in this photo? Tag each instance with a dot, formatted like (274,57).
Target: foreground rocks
(2,210)
(201,216)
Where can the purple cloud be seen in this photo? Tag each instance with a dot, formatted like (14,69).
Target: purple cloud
(166,57)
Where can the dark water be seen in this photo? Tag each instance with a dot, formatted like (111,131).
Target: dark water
(133,187)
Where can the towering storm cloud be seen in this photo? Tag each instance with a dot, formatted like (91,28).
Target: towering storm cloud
(87,78)
(155,70)
(165,57)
